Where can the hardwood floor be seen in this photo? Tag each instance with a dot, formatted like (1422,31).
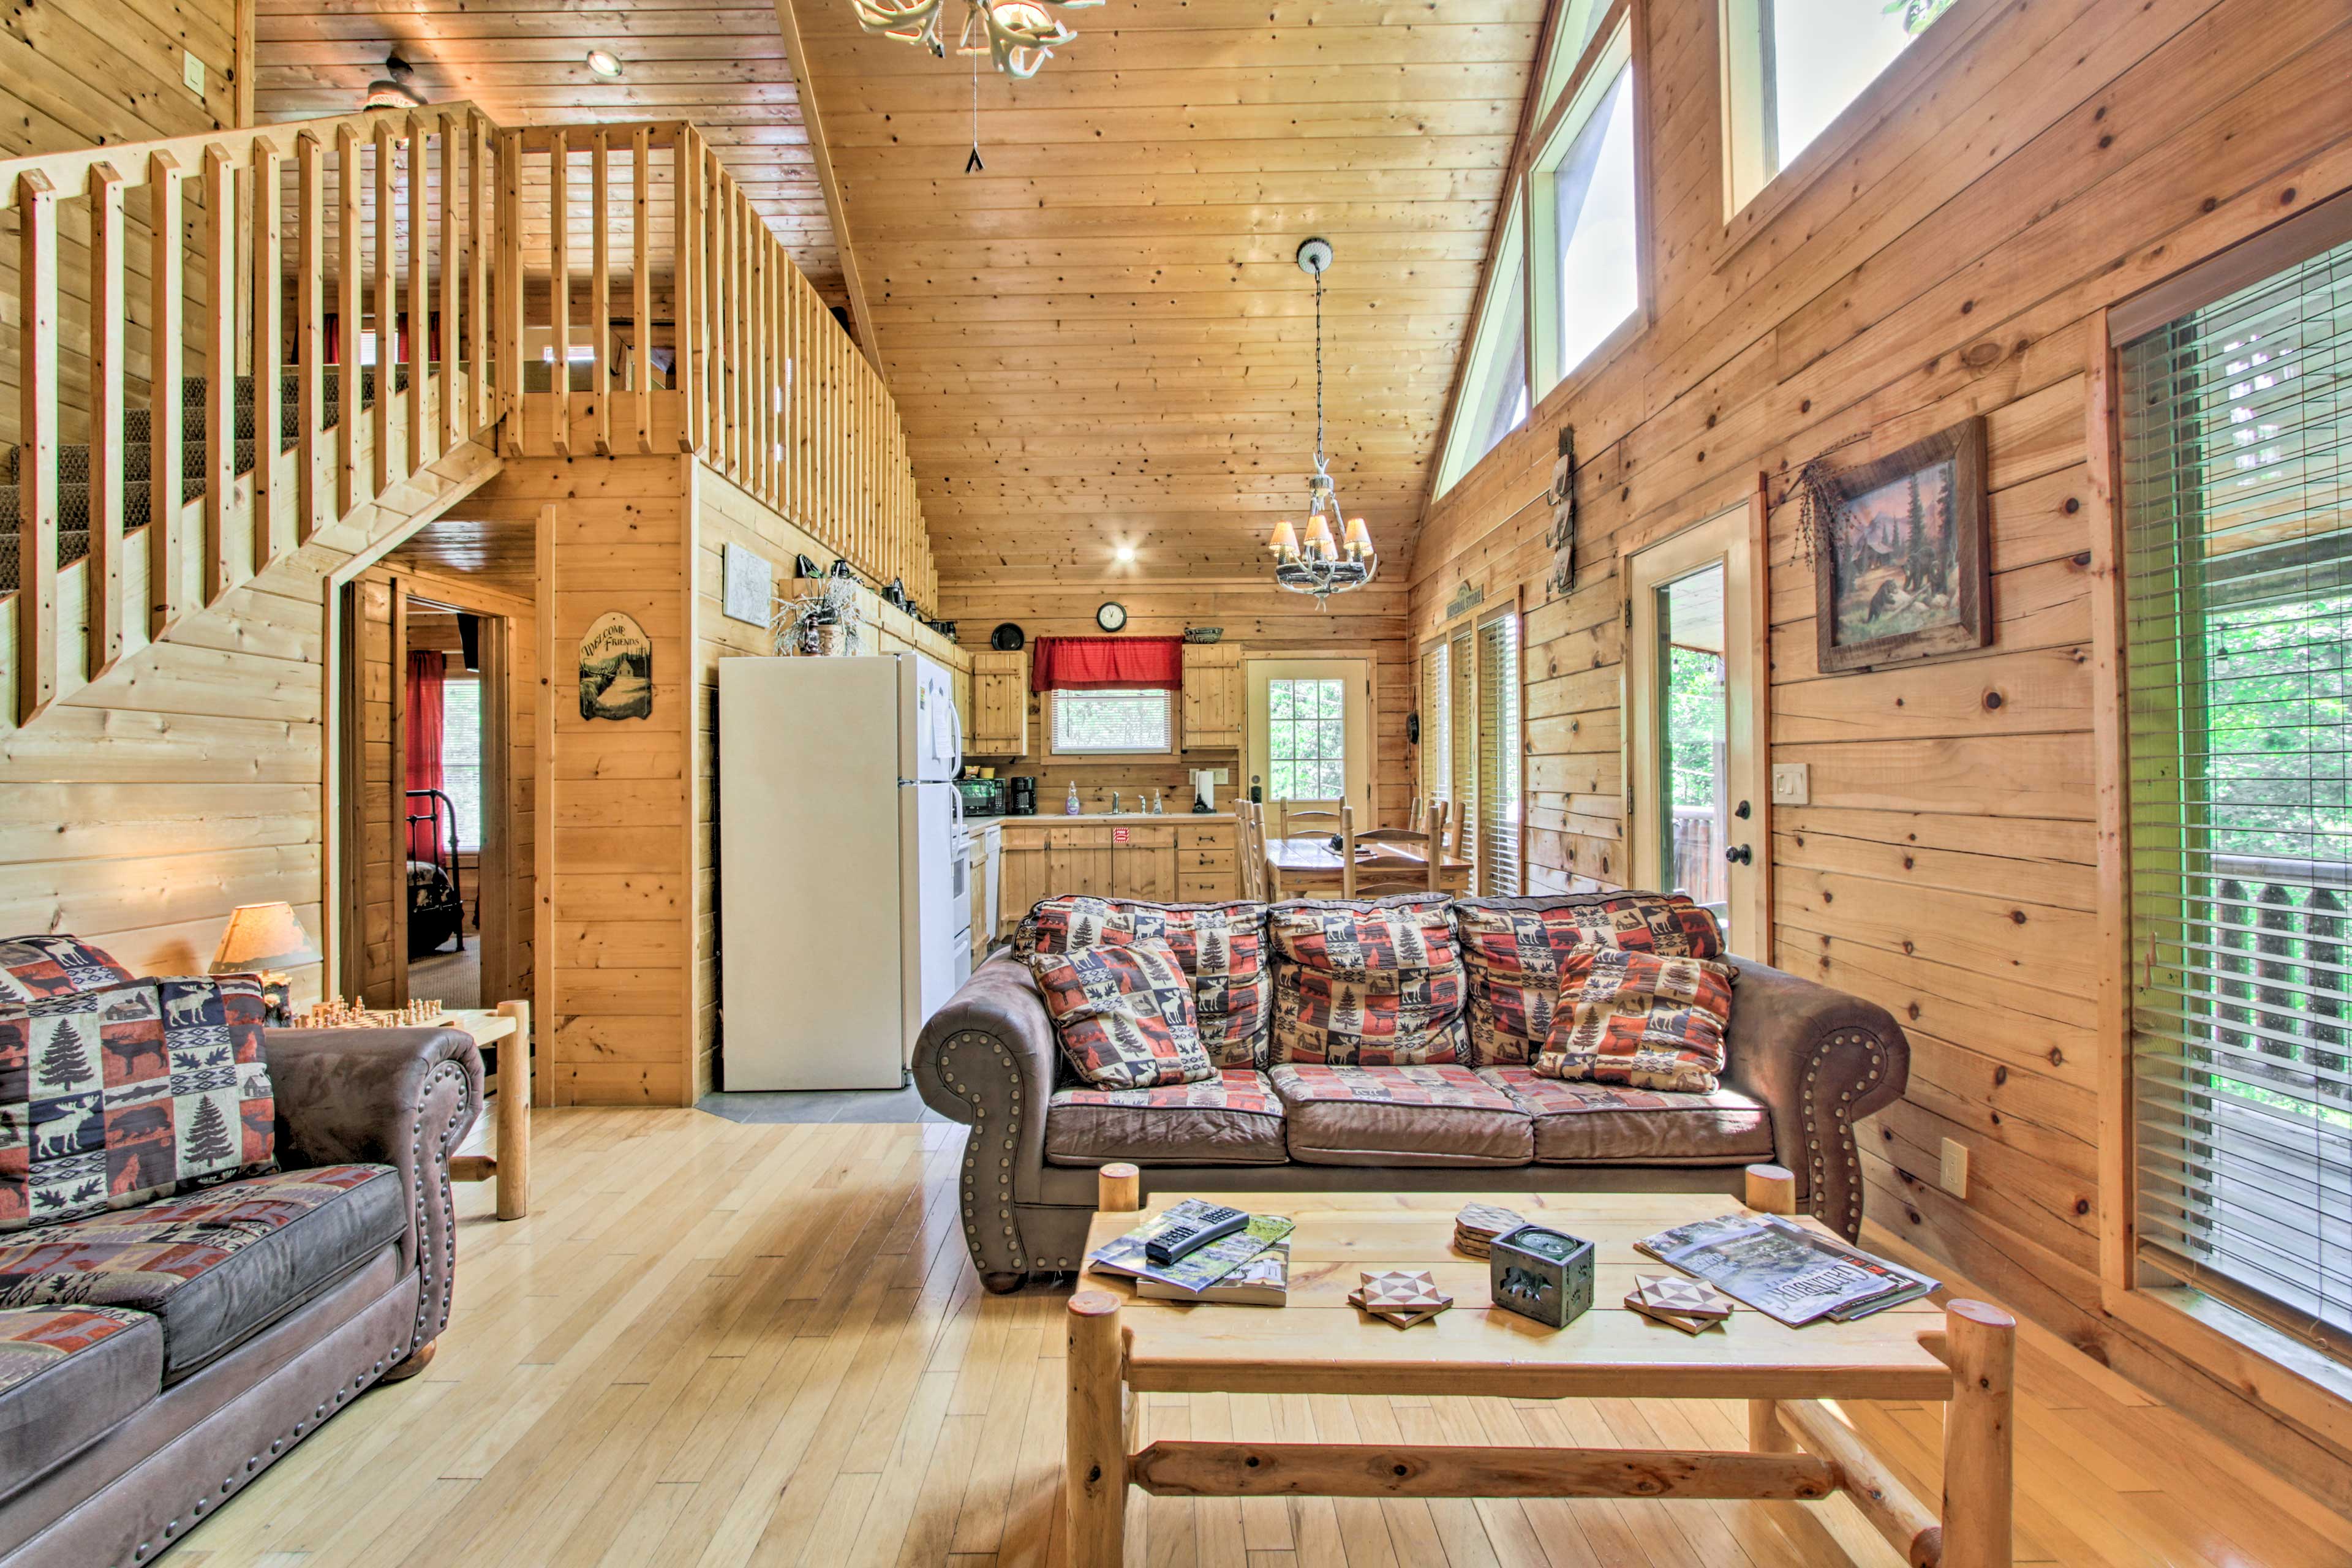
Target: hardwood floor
(716,1344)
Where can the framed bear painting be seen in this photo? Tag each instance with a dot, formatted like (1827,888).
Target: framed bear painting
(1904,571)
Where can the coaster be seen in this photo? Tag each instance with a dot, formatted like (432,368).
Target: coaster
(1402,1317)
(1672,1320)
(1477,1226)
(1400,1290)
(1683,1297)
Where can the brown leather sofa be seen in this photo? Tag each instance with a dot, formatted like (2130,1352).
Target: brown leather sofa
(122,1424)
(1804,1064)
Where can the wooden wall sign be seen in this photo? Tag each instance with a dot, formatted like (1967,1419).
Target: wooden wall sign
(1905,572)
(616,669)
(1562,496)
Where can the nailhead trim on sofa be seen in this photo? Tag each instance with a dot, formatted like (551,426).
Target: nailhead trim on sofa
(1816,1200)
(975,1198)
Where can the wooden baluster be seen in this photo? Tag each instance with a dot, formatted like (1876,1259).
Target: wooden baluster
(641,275)
(787,487)
(445,377)
(714,305)
(780,294)
(686,285)
(388,301)
(270,534)
(559,276)
(309,310)
(349,218)
(732,344)
(417,209)
(600,288)
(756,343)
(747,376)
(36,457)
(509,254)
(110,315)
(481,390)
(220,368)
(166,278)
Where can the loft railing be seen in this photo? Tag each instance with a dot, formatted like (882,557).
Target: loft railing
(424,276)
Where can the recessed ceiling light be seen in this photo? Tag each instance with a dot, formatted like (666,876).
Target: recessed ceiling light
(1126,553)
(605,62)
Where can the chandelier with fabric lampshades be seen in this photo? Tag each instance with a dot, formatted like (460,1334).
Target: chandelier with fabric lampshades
(1019,36)
(1322,555)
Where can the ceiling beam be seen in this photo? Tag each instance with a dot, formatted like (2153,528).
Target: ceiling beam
(812,122)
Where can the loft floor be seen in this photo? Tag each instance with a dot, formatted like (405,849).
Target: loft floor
(718,1344)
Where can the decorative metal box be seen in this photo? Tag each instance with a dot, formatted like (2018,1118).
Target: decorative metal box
(1542,1274)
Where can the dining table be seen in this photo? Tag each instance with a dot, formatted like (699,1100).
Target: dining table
(1308,866)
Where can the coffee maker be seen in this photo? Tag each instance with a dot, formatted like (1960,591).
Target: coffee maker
(1204,789)
(1020,796)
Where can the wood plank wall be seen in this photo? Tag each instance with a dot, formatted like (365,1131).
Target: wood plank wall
(1258,615)
(1945,264)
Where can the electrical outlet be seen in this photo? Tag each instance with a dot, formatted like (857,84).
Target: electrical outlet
(1954,1178)
(1792,784)
(192,71)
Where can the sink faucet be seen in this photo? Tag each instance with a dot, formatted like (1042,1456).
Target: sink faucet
(1114,803)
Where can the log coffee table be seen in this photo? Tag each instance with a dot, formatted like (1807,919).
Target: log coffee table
(1122,1344)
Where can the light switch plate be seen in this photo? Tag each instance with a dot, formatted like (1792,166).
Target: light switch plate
(192,71)
(1954,1177)
(1792,784)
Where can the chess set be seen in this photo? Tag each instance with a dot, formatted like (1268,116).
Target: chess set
(335,1013)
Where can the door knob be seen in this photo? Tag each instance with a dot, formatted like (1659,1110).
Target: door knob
(1741,854)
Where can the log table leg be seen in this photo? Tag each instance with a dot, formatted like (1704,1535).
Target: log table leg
(1119,1188)
(1094,1479)
(514,1114)
(1770,1190)
(1978,1436)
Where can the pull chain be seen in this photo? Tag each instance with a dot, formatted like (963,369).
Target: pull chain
(1319,369)
(972,165)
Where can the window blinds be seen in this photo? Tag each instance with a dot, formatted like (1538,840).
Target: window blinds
(1436,749)
(2236,428)
(1498,852)
(1462,739)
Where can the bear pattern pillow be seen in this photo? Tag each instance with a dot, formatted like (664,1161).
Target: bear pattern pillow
(1639,1020)
(1513,958)
(1221,948)
(1367,984)
(1123,1014)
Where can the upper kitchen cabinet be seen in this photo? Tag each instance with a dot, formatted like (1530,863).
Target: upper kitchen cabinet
(1213,696)
(996,724)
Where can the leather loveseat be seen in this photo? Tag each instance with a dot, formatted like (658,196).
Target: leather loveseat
(1803,1064)
(155,1357)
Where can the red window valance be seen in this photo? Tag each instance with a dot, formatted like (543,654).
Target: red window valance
(1108,664)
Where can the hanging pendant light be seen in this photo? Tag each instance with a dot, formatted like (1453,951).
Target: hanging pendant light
(1324,555)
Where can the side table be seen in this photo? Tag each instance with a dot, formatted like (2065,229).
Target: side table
(509,1025)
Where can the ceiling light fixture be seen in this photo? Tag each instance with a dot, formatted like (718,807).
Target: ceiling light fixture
(1333,557)
(1020,36)
(605,63)
(1126,553)
(393,89)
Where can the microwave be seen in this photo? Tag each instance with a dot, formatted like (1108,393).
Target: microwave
(982,797)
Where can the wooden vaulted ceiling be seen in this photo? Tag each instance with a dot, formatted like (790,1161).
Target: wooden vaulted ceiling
(721,66)
(1102,337)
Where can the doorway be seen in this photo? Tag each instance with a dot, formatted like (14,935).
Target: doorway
(1699,810)
(1309,741)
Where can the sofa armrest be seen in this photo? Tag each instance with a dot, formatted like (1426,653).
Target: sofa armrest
(988,1059)
(1821,1061)
(403,1098)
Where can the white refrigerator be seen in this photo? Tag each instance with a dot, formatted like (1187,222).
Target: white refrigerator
(841,874)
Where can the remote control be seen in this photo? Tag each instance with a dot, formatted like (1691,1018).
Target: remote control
(1197,1225)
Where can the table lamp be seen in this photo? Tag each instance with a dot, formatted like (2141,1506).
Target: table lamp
(266,940)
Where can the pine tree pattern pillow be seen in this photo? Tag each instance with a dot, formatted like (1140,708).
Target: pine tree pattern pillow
(1221,947)
(1123,1014)
(1639,1020)
(1376,984)
(111,1098)
(1513,958)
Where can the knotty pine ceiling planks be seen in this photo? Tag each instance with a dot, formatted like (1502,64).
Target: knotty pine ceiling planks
(1102,337)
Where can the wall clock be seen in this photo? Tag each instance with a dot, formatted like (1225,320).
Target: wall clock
(1111,617)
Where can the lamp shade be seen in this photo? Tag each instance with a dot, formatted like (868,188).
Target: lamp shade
(1285,541)
(263,936)
(1318,536)
(1359,537)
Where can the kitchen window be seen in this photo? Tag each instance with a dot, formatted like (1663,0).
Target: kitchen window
(1111,722)
(1791,66)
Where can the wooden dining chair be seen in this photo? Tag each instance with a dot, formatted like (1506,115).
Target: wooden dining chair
(1309,822)
(1414,815)
(1250,835)
(1380,879)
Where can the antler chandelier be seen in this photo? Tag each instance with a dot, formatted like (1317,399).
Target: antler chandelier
(1019,34)
(1333,558)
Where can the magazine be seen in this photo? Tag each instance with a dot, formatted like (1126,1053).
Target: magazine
(1263,1281)
(1784,1271)
(1197,1269)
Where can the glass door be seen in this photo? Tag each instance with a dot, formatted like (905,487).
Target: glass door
(1697,798)
(1309,735)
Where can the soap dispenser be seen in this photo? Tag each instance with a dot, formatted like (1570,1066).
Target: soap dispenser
(1070,806)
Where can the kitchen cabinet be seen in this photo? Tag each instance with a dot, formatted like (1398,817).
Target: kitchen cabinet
(985,868)
(1214,706)
(1165,860)
(996,721)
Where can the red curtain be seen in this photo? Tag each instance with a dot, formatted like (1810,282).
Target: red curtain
(423,722)
(1102,663)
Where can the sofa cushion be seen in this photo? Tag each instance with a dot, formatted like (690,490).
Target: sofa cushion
(114,1096)
(1233,1118)
(1512,949)
(1367,984)
(217,1266)
(1123,1014)
(1637,1020)
(1579,1122)
(1222,948)
(1431,1115)
(34,968)
(68,1373)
